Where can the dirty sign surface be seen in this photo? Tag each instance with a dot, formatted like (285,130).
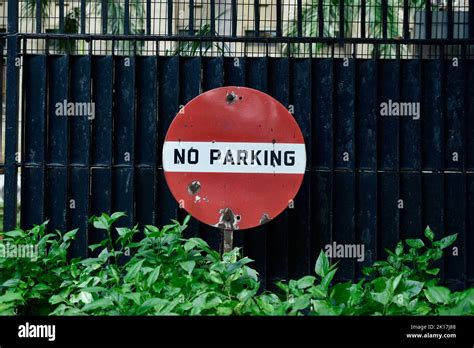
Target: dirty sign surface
(234,158)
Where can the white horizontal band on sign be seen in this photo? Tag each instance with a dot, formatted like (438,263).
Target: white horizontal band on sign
(232,157)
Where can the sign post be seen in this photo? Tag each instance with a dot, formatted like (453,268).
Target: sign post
(227,240)
(233,158)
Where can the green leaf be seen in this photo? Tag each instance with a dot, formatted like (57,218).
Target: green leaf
(85,297)
(321,307)
(396,281)
(322,264)
(188,266)
(186,220)
(340,292)
(318,292)
(305,282)
(381,297)
(437,294)
(415,243)
(11,283)
(153,277)
(152,230)
(446,241)
(191,243)
(117,215)
(411,288)
(327,279)
(11,296)
(15,234)
(122,231)
(399,249)
(429,233)
(433,271)
(102,303)
(134,270)
(71,235)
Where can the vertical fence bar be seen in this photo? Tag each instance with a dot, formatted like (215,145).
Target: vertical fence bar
(38,9)
(168,106)
(104,12)
(126,17)
(189,88)
(101,142)
(145,140)
(148,17)
(300,97)
(450,19)
(279,30)
(170,17)
(428,19)
(2,80)
(299,18)
(256,8)
(278,236)
(61,16)
(234,17)
(123,175)
(191,18)
(384,18)
(406,19)
(213,17)
(341,19)
(11,119)
(34,121)
(433,126)
(320,18)
(83,16)
(363,7)
(471,19)
(57,139)
(79,156)
(256,240)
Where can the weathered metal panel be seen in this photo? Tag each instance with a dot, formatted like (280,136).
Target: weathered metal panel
(388,83)
(410,126)
(299,218)
(32,171)
(366,219)
(433,122)
(344,212)
(168,107)
(256,239)
(367,112)
(278,229)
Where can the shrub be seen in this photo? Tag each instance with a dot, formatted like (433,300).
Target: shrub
(161,273)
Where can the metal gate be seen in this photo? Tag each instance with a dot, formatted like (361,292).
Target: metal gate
(371,179)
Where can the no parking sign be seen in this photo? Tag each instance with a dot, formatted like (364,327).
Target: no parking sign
(234,158)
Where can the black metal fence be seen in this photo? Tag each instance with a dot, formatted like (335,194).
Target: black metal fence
(245,19)
(371,178)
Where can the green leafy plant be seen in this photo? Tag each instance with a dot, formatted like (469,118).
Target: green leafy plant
(26,284)
(158,272)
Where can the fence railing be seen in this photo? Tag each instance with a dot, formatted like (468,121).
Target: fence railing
(263,26)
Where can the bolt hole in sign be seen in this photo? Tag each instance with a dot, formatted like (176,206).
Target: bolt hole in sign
(234,158)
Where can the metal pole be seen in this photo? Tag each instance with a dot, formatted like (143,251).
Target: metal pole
(227,240)
(11,132)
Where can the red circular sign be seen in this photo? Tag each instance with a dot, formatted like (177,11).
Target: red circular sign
(234,158)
